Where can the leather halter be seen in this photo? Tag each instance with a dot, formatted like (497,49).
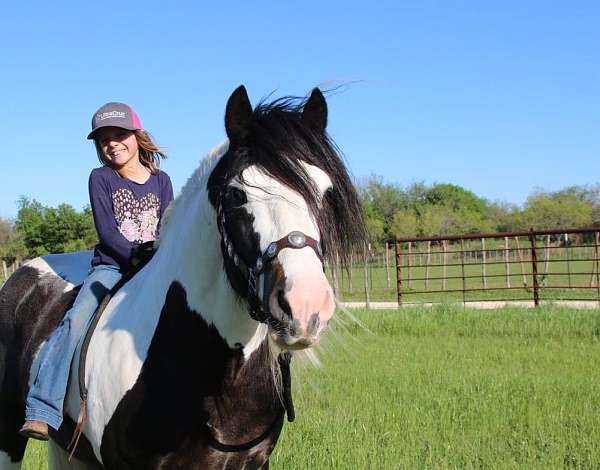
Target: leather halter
(295,240)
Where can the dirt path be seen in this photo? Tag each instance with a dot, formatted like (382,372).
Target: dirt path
(580,304)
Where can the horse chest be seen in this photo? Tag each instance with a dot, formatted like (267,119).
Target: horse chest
(185,383)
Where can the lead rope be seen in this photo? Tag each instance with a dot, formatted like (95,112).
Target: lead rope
(284,360)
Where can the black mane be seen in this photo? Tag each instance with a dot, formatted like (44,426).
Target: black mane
(277,141)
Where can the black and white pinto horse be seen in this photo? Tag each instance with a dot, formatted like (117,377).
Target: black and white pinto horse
(181,371)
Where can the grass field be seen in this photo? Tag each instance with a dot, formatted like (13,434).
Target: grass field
(447,388)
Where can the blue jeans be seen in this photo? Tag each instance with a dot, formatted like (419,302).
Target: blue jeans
(48,390)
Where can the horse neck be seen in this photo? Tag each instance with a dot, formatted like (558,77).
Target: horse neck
(249,399)
(189,253)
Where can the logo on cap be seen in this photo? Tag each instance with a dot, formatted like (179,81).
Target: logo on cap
(111,114)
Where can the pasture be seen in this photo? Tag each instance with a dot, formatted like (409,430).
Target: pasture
(446,388)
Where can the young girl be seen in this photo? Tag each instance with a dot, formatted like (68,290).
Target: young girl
(128,195)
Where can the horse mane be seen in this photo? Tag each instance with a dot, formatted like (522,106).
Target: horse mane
(195,183)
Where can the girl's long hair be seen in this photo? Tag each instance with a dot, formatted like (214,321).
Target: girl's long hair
(150,153)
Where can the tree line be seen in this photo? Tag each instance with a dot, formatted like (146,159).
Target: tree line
(39,230)
(390,209)
(446,209)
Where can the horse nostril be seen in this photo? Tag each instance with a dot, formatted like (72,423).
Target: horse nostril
(314,323)
(283,304)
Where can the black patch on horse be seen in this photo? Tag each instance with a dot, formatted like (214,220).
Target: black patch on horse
(30,308)
(193,388)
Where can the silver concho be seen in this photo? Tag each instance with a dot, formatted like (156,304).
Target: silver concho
(229,249)
(271,249)
(236,260)
(259,264)
(297,239)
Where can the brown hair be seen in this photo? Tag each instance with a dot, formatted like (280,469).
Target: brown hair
(150,153)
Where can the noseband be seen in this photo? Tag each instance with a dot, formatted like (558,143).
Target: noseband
(295,240)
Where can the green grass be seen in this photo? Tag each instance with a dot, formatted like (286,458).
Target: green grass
(448,388)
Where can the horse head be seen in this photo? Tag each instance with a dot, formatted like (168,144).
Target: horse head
(284,203)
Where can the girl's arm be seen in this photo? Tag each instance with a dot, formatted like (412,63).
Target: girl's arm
(111,239)
(166,194)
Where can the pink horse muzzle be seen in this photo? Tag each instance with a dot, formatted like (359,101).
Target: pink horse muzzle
(300,303)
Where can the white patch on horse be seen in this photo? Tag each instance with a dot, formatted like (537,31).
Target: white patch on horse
(7,464)
(256,340)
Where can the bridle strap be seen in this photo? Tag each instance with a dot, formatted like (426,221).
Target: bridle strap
(295,240)
(213,442)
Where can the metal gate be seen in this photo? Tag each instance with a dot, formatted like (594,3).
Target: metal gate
(517,266)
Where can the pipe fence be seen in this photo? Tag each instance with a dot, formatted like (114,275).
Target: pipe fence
(530,265)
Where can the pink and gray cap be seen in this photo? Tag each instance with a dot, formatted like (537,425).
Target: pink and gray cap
(115,115)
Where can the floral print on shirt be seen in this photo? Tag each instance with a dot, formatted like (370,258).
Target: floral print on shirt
(137,218)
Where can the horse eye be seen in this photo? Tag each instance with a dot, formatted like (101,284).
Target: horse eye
(235,197)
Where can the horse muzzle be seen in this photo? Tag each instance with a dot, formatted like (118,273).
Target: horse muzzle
(300,306)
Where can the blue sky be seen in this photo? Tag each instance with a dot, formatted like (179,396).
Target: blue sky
(498,97)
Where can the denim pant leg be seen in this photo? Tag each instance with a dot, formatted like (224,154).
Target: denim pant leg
(47,393)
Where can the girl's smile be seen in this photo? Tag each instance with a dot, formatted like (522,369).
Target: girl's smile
(119,147)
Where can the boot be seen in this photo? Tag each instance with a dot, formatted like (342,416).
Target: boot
(35,430)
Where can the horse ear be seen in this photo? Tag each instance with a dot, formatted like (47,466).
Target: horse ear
(314,114)
(238,113)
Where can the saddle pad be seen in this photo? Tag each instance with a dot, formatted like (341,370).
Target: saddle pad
(72,267)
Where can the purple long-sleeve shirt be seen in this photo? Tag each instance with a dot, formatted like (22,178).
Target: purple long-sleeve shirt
(126,213)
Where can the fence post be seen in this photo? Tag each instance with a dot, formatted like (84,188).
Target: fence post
(462,268)
(597,240)
(387,263)
(546,262)
(445,266)
(506,263)
(350,272)
(366,274)
(398,271)
(520,253)
(409,265)
(536,294)
(4,270)
(334,275)
(568,252)
(483,261)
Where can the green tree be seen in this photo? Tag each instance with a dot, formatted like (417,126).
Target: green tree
(552,211)
(405,223)
(42,230)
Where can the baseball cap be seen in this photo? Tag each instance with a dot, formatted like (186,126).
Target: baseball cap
(116,115)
